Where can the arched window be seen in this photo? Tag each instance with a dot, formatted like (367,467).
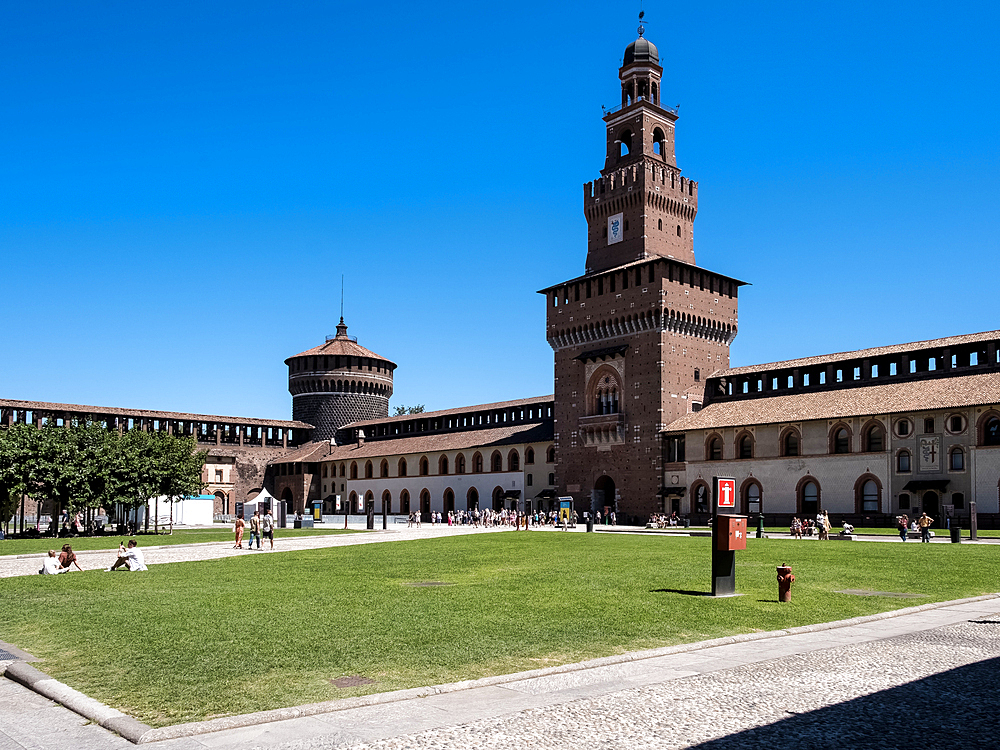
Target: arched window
(624,143)
(956,459)
(991,431)
(701,498)
(678,230)
(603,391)
(809,498)
(404,502)
(745,447)
(383,469)
(424,466)
(477,463)
(443,465)
(369,470)
(715,449)
(354,502)
(874,439)
(460,464)
(903,462)
(497,462)
(751,496)
(790,443)
(326,468)
(841,440)
(869,497)
(659,225)
(658,142)
(529,456)
(472,499)
(402,467)
(550,455)
(513,461)
(354,470)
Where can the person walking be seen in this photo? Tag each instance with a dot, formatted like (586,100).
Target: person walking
(267,527)
(254,530)
(902,525)
(238,528)
(924,524)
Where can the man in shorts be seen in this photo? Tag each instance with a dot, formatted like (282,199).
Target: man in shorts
(267,527)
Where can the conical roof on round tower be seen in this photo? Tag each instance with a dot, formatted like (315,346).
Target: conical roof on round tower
(341,345)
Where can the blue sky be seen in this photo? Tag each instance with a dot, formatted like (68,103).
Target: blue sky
(183,184)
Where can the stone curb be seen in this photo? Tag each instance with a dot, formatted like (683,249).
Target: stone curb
(109,718)
(312,709)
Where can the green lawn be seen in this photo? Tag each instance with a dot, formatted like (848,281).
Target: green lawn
(883,531)
(110,542)
(193,640)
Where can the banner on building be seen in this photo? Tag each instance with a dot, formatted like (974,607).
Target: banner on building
(615,229)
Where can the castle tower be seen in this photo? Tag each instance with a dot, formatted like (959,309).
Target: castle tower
(636,336)
(640,206)
(337,383)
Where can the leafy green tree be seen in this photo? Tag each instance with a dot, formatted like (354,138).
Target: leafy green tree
(403,410)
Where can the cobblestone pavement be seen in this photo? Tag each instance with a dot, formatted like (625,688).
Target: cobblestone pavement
(935,688)
(11,565)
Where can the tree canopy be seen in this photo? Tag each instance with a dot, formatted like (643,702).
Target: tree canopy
(85,465)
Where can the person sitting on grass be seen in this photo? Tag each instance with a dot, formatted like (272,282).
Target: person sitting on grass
(132,558)
(67,558)
(848,529)
(51,566)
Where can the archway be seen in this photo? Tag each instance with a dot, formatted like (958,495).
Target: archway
(404,503)
(929,503)
(387,502)
(603,496)
(425,506)
(449,501)
(287,501)
(498,499)
(472,499)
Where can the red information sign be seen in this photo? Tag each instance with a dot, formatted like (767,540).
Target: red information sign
(725,492)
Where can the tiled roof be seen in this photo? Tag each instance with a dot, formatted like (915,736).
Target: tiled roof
(887,398)
(342,347)
(425,443)
(633,263)
(113,411)
(460,410)
(969,338)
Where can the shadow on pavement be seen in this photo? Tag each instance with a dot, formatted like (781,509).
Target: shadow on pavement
(953,709)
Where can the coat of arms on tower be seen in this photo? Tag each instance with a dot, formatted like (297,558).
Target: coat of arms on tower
(614,229)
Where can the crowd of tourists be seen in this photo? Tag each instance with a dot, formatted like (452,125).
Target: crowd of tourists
(488,518)
(662,520)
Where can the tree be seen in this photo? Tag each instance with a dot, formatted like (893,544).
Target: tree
(178,468)
(403,410)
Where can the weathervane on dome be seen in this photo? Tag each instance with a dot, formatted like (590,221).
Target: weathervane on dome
(642,14)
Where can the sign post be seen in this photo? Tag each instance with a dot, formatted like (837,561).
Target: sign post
(729,533)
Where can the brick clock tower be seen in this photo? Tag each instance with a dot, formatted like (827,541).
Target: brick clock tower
(636,336)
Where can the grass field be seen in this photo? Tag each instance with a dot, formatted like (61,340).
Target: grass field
(188,641)
(185,536)
(942,532)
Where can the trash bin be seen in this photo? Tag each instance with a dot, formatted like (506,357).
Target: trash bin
(956,534)
(590,524)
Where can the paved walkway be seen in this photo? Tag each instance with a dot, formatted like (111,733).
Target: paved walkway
(925,678)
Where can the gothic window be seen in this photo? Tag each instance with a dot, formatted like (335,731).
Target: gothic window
(746,447)
(424,467)
(402,467)
(354,470)
(369,470)
(477,463)
(460,464)
(513,461)
(383,468)
(624,143)
(443,465)
(957,459)
(903,462)
(497,462)
(604,391)
(659,225)
(550,455)
(529,456)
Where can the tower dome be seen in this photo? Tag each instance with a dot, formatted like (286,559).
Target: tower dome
(337,383)
(641,50)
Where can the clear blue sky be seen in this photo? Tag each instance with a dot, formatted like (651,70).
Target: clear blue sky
(183,184)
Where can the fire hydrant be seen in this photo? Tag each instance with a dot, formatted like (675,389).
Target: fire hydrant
(785,579)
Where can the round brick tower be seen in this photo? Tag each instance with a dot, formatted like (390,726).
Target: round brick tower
(337,383)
